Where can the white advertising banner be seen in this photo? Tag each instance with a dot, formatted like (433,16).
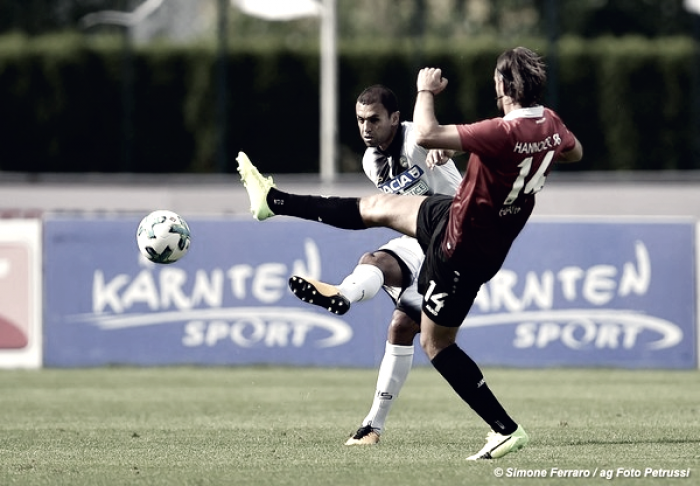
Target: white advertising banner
(20,294)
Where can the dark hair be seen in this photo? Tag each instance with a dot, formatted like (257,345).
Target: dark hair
(379,94)
(524,75)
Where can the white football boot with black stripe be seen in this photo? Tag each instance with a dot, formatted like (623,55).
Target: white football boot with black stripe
(498,445)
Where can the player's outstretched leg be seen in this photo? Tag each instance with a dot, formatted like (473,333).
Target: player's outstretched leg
(498,445)
(257,186)
(320,294)
(267,201)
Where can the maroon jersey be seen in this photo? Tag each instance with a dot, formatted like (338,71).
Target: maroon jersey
(510,158)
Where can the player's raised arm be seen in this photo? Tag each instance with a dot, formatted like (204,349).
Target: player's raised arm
(429,133)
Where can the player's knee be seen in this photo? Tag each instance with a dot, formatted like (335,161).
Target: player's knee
(402,329)
(373,209)
(429,346)
(379,259)
(369,258)
(436,339)
(387,264)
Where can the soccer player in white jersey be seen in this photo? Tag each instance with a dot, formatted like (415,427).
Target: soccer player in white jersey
(396,164)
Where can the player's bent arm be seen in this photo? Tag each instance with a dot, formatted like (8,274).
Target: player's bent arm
(573,155)
(429,133)
(440,137)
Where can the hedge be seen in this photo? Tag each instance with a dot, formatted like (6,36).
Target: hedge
(63,101)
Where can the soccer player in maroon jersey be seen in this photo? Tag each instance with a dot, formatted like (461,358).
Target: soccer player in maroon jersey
(465,238)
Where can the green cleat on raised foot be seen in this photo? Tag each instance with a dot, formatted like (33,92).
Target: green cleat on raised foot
(257,186)
(498,445)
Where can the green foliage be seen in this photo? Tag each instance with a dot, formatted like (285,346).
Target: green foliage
(286,426)
(359,19)
(80,104)
(629,101)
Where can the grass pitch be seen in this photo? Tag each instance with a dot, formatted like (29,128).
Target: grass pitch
(286,426)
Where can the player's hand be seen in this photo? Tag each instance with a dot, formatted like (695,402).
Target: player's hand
(437,157)
(431,79)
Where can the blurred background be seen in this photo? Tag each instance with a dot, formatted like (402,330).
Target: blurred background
(180,86)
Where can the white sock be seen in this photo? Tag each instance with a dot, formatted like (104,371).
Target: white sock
(363,283)
(393,372)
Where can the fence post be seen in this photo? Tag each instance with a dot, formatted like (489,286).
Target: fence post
(128,103)
(552,16)
(222,85)
(695,109)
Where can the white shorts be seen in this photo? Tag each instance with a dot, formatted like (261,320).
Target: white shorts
(409,251)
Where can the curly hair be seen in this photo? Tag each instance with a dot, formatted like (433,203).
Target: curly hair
(524,75)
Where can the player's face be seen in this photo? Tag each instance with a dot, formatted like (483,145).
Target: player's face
(377,126)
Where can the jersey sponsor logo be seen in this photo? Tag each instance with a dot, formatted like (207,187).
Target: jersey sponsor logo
(507,210)
(407,182)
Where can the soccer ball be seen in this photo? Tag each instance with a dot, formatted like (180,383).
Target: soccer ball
(163,236)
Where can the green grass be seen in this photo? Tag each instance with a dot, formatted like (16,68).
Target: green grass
(286,426)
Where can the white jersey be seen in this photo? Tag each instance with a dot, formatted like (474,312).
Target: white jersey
(402,168)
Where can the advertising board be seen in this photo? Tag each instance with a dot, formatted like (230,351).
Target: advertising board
(20,293)
(617,293)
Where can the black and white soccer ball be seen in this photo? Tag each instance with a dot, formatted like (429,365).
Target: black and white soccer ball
(163,236)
